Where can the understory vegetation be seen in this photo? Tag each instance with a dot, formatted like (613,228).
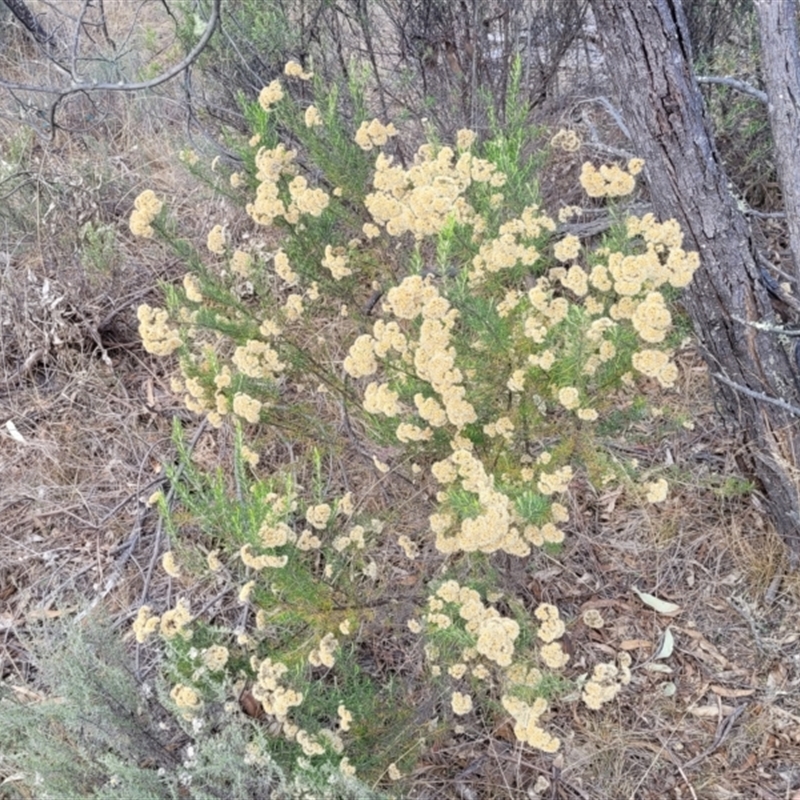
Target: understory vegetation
(434,314)
(389,371)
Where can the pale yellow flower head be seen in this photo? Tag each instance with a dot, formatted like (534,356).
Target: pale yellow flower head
(607,181)
(173,622)
(374,134)
(312,118)
(295,70)
(185,697)
(553,655)
(270,95)
(461,703)
(146,207)
(319,515)
(567,140)
(246,407)
(170,565)
(158,337)
(215,657)
(145,624)
(216,240)
(465,138)
(657,491)
(569,397)
(568,248)
(592,618)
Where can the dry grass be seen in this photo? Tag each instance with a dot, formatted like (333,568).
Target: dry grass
(91,415)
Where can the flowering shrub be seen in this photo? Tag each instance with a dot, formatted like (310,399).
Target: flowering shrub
(474,331)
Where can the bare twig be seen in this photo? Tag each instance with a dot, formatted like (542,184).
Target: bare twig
(126,551)
(751,212)
(735,83)
(792,409)
(170,495)
(724,728)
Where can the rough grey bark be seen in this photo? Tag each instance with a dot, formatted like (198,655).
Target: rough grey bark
(780,63)
(648,54)
(28,19)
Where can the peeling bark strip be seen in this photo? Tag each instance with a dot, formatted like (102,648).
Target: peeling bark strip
(648,55)
(780,62)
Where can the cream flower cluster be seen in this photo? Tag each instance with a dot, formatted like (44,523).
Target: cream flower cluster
(275,698)
(146,208)
(555,482)
(271,94)
(319,515)
(374,134)
(657,491)
(492,529)
(465,138)
(242,263)
(656,364)
(511,246)
(215,657)
(503,427)
(145,624)
(250,559)
(567,140)
(272,166)
(634,279)
(295,70)
(336,261)
(196,397)
(422,199)
(461,703)
(432,356)
(324,654)
(308,541)
(360,361)
(551,625)
(170,565)
(526,723)
(567,248)
(185,697)
(312,117)
(257,360)
(606,681)
(173,622)
(192,288)
(551,628)
(546,311)
(355,537)
(157,337)
(608,181)
(652,318)
(522,675)
(275,535)
(247,407)
(494,634)
(215,242)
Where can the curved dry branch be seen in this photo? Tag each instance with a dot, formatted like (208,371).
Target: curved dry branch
(78,86)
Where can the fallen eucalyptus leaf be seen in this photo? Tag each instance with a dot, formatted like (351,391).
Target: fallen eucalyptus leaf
(657,604)
(666,646)
(659,668)
(14,432)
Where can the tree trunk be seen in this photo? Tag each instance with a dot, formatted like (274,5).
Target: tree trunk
(21,11)
(648,54)
(781,70)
